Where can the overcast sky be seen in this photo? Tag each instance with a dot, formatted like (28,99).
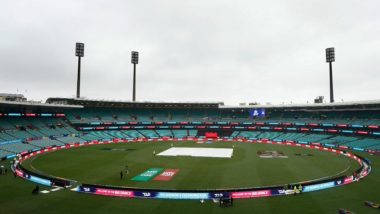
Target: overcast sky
(197,50)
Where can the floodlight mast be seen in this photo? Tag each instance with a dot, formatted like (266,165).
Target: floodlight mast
(134,61)
(330,57)
(79,52)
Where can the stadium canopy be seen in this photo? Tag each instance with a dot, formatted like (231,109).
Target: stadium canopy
(338,106)
(129,104)
(32,106)
(356,105)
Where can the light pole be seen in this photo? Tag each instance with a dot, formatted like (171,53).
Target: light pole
(330,57)
(79,52)
(134,61)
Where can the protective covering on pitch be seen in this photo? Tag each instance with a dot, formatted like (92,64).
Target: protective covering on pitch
(198,152)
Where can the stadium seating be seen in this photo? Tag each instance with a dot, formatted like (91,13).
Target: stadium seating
(117,134)
(4,153)
(69,140)
(165,133)
(4,136)
(179,133)
(338,140)
(313,137)
(17,147)
(364,143)
(248,134)
(101,115)
(149,133)
(133,134)
(47,131)
(289,136)
(268,135)
(192,133)
(235,134)
(102,135)
(89,137)
(46,143)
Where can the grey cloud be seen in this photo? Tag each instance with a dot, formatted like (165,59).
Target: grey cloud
(232,51)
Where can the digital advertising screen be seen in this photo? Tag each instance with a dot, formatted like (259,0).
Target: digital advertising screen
(256,112)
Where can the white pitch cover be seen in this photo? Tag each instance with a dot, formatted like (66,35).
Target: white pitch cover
(198,152)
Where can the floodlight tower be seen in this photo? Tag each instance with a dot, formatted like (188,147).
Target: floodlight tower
(79,52)
(134,61)
(330,57)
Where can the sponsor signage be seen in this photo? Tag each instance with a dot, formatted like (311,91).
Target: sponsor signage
(316,187)
(39,180)
(148,174)
(166,175)
(282,192)
(11,156)
(348,180)
(19,173)
(251,194)
(114,192)
(182,195)
(145,194)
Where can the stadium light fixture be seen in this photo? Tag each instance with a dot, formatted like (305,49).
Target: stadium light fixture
(134,61)
(330,57)
(79,52)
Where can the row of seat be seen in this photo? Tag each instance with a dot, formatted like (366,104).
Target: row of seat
(177,115)
(365,143)
(17,147)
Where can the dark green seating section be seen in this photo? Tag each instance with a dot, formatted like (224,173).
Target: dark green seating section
(131,134)
(17,147)
(23,128)
(165,133)
(313,137)
(180,133)
(134,134)
(46,143)
(50,131)
(289,136)
(143,115)
(353,142)
(16,133)
(149,133)
(106,115)
(364,143)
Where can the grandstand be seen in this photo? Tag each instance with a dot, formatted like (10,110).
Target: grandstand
(86,122)
(351,125)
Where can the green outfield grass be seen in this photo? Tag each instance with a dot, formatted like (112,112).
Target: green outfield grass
(95,165)
(101,164)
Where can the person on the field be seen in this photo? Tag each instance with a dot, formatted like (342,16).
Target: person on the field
(295,190)
(36,190)
(121,175)
(126,170)
(285,187)
(300,188)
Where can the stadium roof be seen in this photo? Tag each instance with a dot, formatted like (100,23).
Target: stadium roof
(33,106)
(354,105)
(11,95)
(130,104)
